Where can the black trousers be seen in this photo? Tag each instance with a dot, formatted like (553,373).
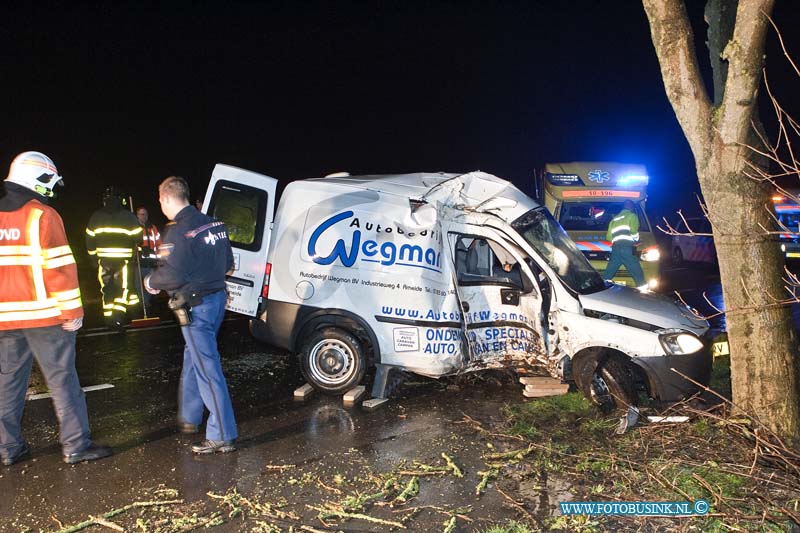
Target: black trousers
(119,291)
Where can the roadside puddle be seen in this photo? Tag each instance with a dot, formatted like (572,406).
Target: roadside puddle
(545,492)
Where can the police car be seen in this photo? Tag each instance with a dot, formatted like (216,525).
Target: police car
(693,242)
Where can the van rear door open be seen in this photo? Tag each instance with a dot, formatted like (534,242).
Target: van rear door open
(245,202)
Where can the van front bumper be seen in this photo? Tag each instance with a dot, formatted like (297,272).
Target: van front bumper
(668,386)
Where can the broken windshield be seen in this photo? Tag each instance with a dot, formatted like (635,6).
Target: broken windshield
(543,233)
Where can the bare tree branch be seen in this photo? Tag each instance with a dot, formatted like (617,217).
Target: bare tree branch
(783,46)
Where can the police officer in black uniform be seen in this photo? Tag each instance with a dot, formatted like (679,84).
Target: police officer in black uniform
(195,255)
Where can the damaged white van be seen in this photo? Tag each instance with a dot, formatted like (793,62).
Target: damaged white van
(439,274)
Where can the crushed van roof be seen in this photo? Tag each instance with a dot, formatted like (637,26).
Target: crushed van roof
(467,190)
(417,183)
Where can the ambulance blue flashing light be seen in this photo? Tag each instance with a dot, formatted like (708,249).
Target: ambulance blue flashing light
(633,179)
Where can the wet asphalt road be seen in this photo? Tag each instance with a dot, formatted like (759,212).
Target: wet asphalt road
(320,438)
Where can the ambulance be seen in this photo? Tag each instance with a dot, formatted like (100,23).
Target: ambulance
(585,196)
(439,274)
(787,211)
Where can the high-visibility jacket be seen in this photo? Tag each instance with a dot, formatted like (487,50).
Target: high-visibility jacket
(113,233)
(38,276)
(151,240)
(623,228)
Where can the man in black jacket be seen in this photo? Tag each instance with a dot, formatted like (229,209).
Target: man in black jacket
(195,255)
(112,236)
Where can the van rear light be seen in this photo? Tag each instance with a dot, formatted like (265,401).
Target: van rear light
(265,288)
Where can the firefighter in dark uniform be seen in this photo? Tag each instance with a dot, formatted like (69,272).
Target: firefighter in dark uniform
(195,255)
(40,312)
(112,237)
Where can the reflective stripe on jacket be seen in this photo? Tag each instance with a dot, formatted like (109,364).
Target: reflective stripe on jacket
(112,233)
(38,276)
(623,227)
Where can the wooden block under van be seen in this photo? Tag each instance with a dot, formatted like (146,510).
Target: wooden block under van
(374,403)
(354,394)
(301,393)
(541,382)
(556,389)
(544,393)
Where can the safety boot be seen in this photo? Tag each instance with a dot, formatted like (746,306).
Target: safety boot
(214,446)
(23,453)
(92,453)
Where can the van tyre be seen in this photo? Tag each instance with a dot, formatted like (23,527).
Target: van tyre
(611,386)
(332,361)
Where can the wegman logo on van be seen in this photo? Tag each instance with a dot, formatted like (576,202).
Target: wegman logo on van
(349,249)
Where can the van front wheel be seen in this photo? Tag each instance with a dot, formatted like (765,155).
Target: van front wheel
(611,386)
(332,361)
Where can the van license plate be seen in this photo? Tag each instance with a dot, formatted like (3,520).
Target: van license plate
(720,348)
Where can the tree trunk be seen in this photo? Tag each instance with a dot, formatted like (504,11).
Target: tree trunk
(762,337)
(764,366)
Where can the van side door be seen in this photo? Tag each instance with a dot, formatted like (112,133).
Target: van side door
(501,303)
(245,202)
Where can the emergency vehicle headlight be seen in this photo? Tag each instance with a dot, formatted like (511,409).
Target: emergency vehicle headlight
(783,247)
(679,342)
(651,254)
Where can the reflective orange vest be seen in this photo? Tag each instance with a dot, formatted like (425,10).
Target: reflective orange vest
(151,240)
(38,276)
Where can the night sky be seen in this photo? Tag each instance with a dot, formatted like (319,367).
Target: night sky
(127,94)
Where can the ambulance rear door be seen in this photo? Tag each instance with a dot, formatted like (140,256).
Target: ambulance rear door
(245,202)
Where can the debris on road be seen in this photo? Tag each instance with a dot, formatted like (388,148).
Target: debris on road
(628,421)
(103,520)
(667,419)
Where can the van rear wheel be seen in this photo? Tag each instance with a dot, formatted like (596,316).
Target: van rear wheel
(332,360)
(611,386)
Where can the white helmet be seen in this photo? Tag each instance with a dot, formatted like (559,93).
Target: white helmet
(34,171)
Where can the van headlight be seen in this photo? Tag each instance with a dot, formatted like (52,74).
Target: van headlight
(651,254)
(679,342)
